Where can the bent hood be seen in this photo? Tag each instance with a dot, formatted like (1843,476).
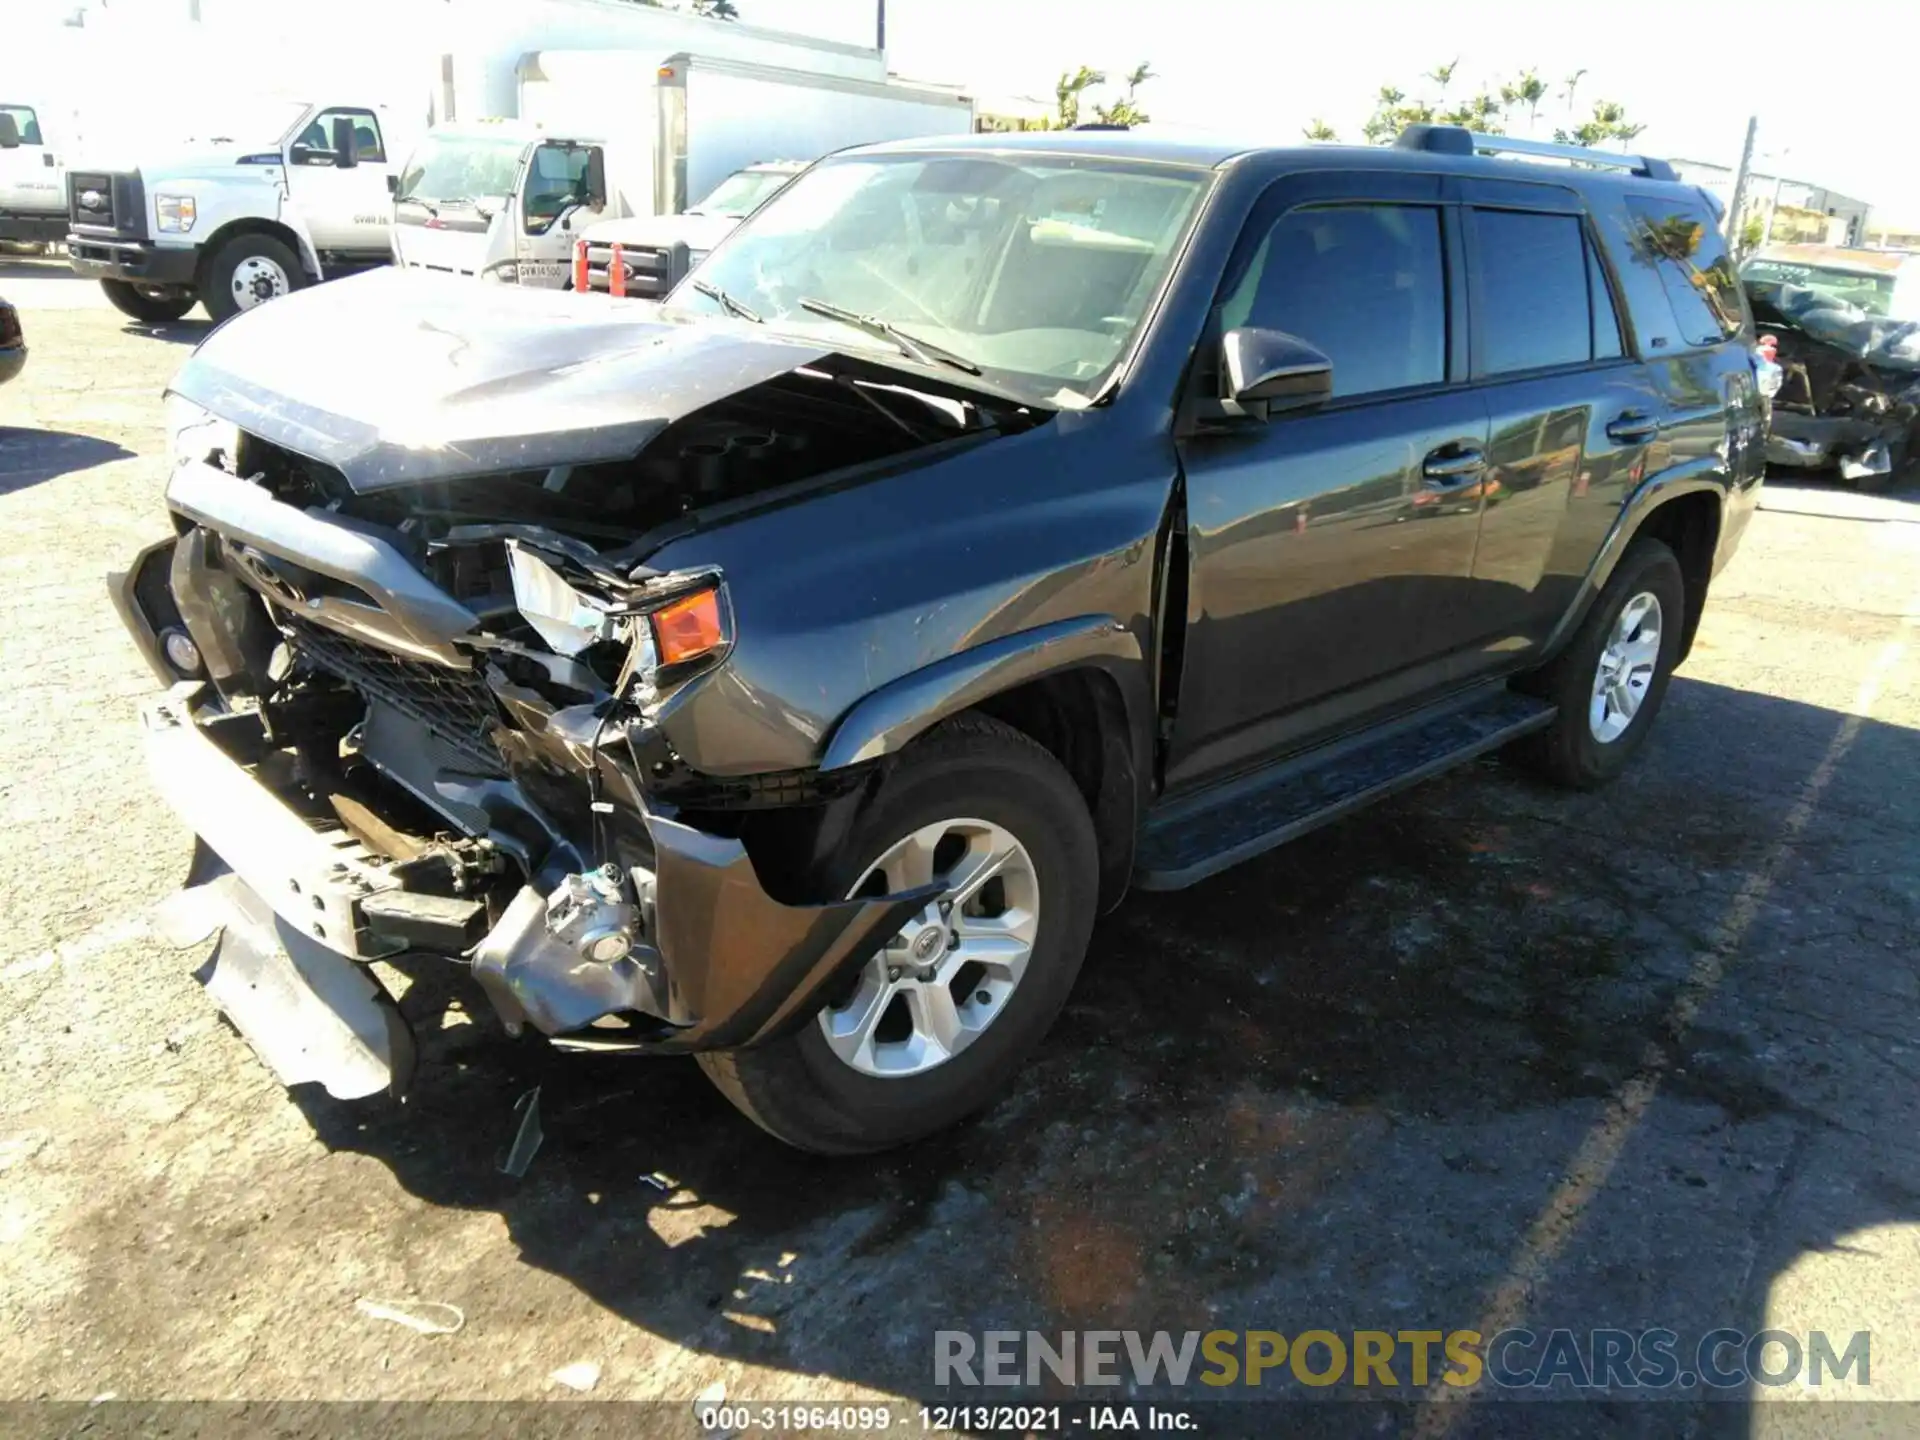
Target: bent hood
(399,376)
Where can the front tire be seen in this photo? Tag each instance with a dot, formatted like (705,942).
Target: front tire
(248,271)
(1609,682)
(148,305)
(930,1029)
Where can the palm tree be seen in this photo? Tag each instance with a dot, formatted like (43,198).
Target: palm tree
(1320,130)
(1067,92)
(1126,110)
(1528,90)
(1573,84)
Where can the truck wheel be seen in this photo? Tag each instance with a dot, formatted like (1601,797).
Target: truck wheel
(248,271)
(1610,680)
(929,1030)
(149,304)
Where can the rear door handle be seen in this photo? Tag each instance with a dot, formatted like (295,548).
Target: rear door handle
(1630,427)
(1452,466)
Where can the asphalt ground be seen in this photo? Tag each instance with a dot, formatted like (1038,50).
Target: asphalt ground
(1487,1056)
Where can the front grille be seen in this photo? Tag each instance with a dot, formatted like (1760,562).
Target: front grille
(90,200)
(102,203)
(455,705)
(651,270)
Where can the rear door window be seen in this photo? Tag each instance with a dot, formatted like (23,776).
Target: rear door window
(1532,307)
(1366,284)
(1678,238)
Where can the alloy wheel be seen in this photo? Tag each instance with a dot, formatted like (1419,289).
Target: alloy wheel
(1626,669)
(948,974)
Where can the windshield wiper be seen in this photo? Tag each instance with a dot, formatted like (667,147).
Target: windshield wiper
(727,302)
(416,200)
(924,351)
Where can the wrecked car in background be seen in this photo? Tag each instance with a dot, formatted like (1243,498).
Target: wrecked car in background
(789,673)
(1848,329)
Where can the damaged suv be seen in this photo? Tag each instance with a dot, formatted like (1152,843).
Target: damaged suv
(790,674)
(1847,326)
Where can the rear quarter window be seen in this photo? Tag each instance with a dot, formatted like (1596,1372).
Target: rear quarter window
(1677,237)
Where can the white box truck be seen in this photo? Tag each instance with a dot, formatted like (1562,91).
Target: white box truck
(33,182)
(280,194)
(604,136)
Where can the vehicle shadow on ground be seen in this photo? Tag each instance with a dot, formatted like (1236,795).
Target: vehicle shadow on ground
(1333,1087)
(30,457)
(172,332)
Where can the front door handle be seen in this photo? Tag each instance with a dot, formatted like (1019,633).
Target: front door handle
(1452,466)
(1631,427)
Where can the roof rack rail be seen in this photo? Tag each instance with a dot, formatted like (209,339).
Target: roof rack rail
(1458,140)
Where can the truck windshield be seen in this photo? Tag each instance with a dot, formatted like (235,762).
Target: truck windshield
(28,124)
(741,193)
(1040,271)
(211,119)
(458,169)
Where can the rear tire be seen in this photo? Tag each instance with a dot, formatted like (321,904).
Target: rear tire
(817,1094)
(1633,634)
(147,304)
(248,271)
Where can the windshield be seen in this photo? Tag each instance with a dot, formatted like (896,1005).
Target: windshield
(1768,280)
(457,169)
(28,124)
(1041,269)
(741,194)
(251,122)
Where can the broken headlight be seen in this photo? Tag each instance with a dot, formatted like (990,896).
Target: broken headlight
(569,620)
(193,433)
(693,624)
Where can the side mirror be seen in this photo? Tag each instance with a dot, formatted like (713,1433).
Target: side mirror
(1262,371)
(9,132)
(596,178)
(346,143)
(393,183)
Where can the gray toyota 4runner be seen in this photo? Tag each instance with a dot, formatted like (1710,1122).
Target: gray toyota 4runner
(789,674)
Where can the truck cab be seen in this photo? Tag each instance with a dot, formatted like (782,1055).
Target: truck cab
(500,200)
(269,202)
(657,251)
(33,190)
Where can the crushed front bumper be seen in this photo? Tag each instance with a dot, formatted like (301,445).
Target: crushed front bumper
(1813,442)
(714,963)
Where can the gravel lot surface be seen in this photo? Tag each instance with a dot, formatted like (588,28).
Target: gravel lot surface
(1490,1054)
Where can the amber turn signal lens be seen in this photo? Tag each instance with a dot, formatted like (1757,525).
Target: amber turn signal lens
(688,628)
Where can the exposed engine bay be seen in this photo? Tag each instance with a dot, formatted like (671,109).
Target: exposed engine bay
(419,715)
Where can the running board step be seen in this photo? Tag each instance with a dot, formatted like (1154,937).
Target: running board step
(1204,834)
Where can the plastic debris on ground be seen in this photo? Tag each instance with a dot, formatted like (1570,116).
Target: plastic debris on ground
(526,1140)
(582,1375)
(428,1317)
